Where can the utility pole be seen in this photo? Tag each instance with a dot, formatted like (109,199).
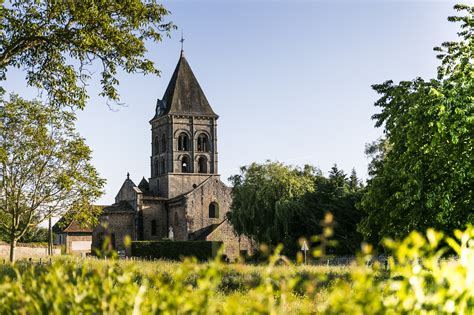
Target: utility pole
(50,237)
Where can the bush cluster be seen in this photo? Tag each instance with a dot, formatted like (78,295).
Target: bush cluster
(175,250)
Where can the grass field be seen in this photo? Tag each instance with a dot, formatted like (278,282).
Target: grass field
(417,282)
(213,287)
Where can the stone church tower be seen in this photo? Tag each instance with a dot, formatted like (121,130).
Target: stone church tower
(183,133)
(184,193)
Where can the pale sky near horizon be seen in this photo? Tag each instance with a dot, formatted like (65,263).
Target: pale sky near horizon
(290,80)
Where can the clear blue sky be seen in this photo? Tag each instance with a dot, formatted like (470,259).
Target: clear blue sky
(290,80)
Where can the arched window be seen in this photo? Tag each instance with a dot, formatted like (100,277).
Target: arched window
(176,219)
(202,165)
(185,164)
(153,227)
(163,166)
(213,210)
(203,143)
(156,170)
(156,145)
(163,143)
(183,142)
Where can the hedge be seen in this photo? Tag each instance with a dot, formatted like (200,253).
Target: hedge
(175,250)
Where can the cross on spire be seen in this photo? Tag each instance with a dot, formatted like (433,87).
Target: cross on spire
(182,43)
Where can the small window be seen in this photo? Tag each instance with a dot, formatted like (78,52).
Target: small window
(163,143)
(153,227)
(185,165)
(203,143)
(202,165)
(213,210)
(183,142)
(176,219)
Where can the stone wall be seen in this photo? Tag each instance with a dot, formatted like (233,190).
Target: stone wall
(128,193)
(234,245)
(198,201)
(24,252)
(75,242)
(118,226)
(178,221)
(154,210)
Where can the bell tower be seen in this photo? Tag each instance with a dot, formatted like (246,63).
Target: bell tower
(184,136)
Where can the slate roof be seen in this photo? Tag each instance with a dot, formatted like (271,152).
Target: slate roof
(200,235)
(144,186)
(119,207)
(184,95)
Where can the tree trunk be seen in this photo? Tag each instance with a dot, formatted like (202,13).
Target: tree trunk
(12,249)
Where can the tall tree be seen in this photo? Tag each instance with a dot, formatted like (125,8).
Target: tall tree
(423,172)
(354,182)
(274,203)
(335,195)
(45,168)
(56,42)
(262,194)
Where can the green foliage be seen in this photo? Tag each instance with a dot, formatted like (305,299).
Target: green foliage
(175,250)
(58,42)
(261,195)
(274,203)
(45,168)
(419,281)
(422,172)
(337,195)
(36,235)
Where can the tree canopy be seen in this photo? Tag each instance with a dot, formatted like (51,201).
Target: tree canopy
(422,171)
(56,42)
(45,168)
(274,203)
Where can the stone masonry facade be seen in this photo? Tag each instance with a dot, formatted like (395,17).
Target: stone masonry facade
(184,194)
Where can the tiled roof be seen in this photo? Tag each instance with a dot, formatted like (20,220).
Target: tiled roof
(67,225)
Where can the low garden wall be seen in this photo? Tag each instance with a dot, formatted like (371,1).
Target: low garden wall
(25,251)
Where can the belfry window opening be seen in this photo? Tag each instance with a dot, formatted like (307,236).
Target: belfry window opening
(203,143)
(185,164)
(156,145)
(163,143)
(202,165)
(183,142)
(156,168)
(163,166)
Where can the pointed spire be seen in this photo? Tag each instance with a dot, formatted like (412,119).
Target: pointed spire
(128,175)
(184,95)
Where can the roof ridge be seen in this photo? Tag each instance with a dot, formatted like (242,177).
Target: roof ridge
(199,186)
(217,227)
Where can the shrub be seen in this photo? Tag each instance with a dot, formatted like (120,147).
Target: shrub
(419,281)
(201,250)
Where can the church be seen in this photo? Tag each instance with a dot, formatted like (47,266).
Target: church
(184,199)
